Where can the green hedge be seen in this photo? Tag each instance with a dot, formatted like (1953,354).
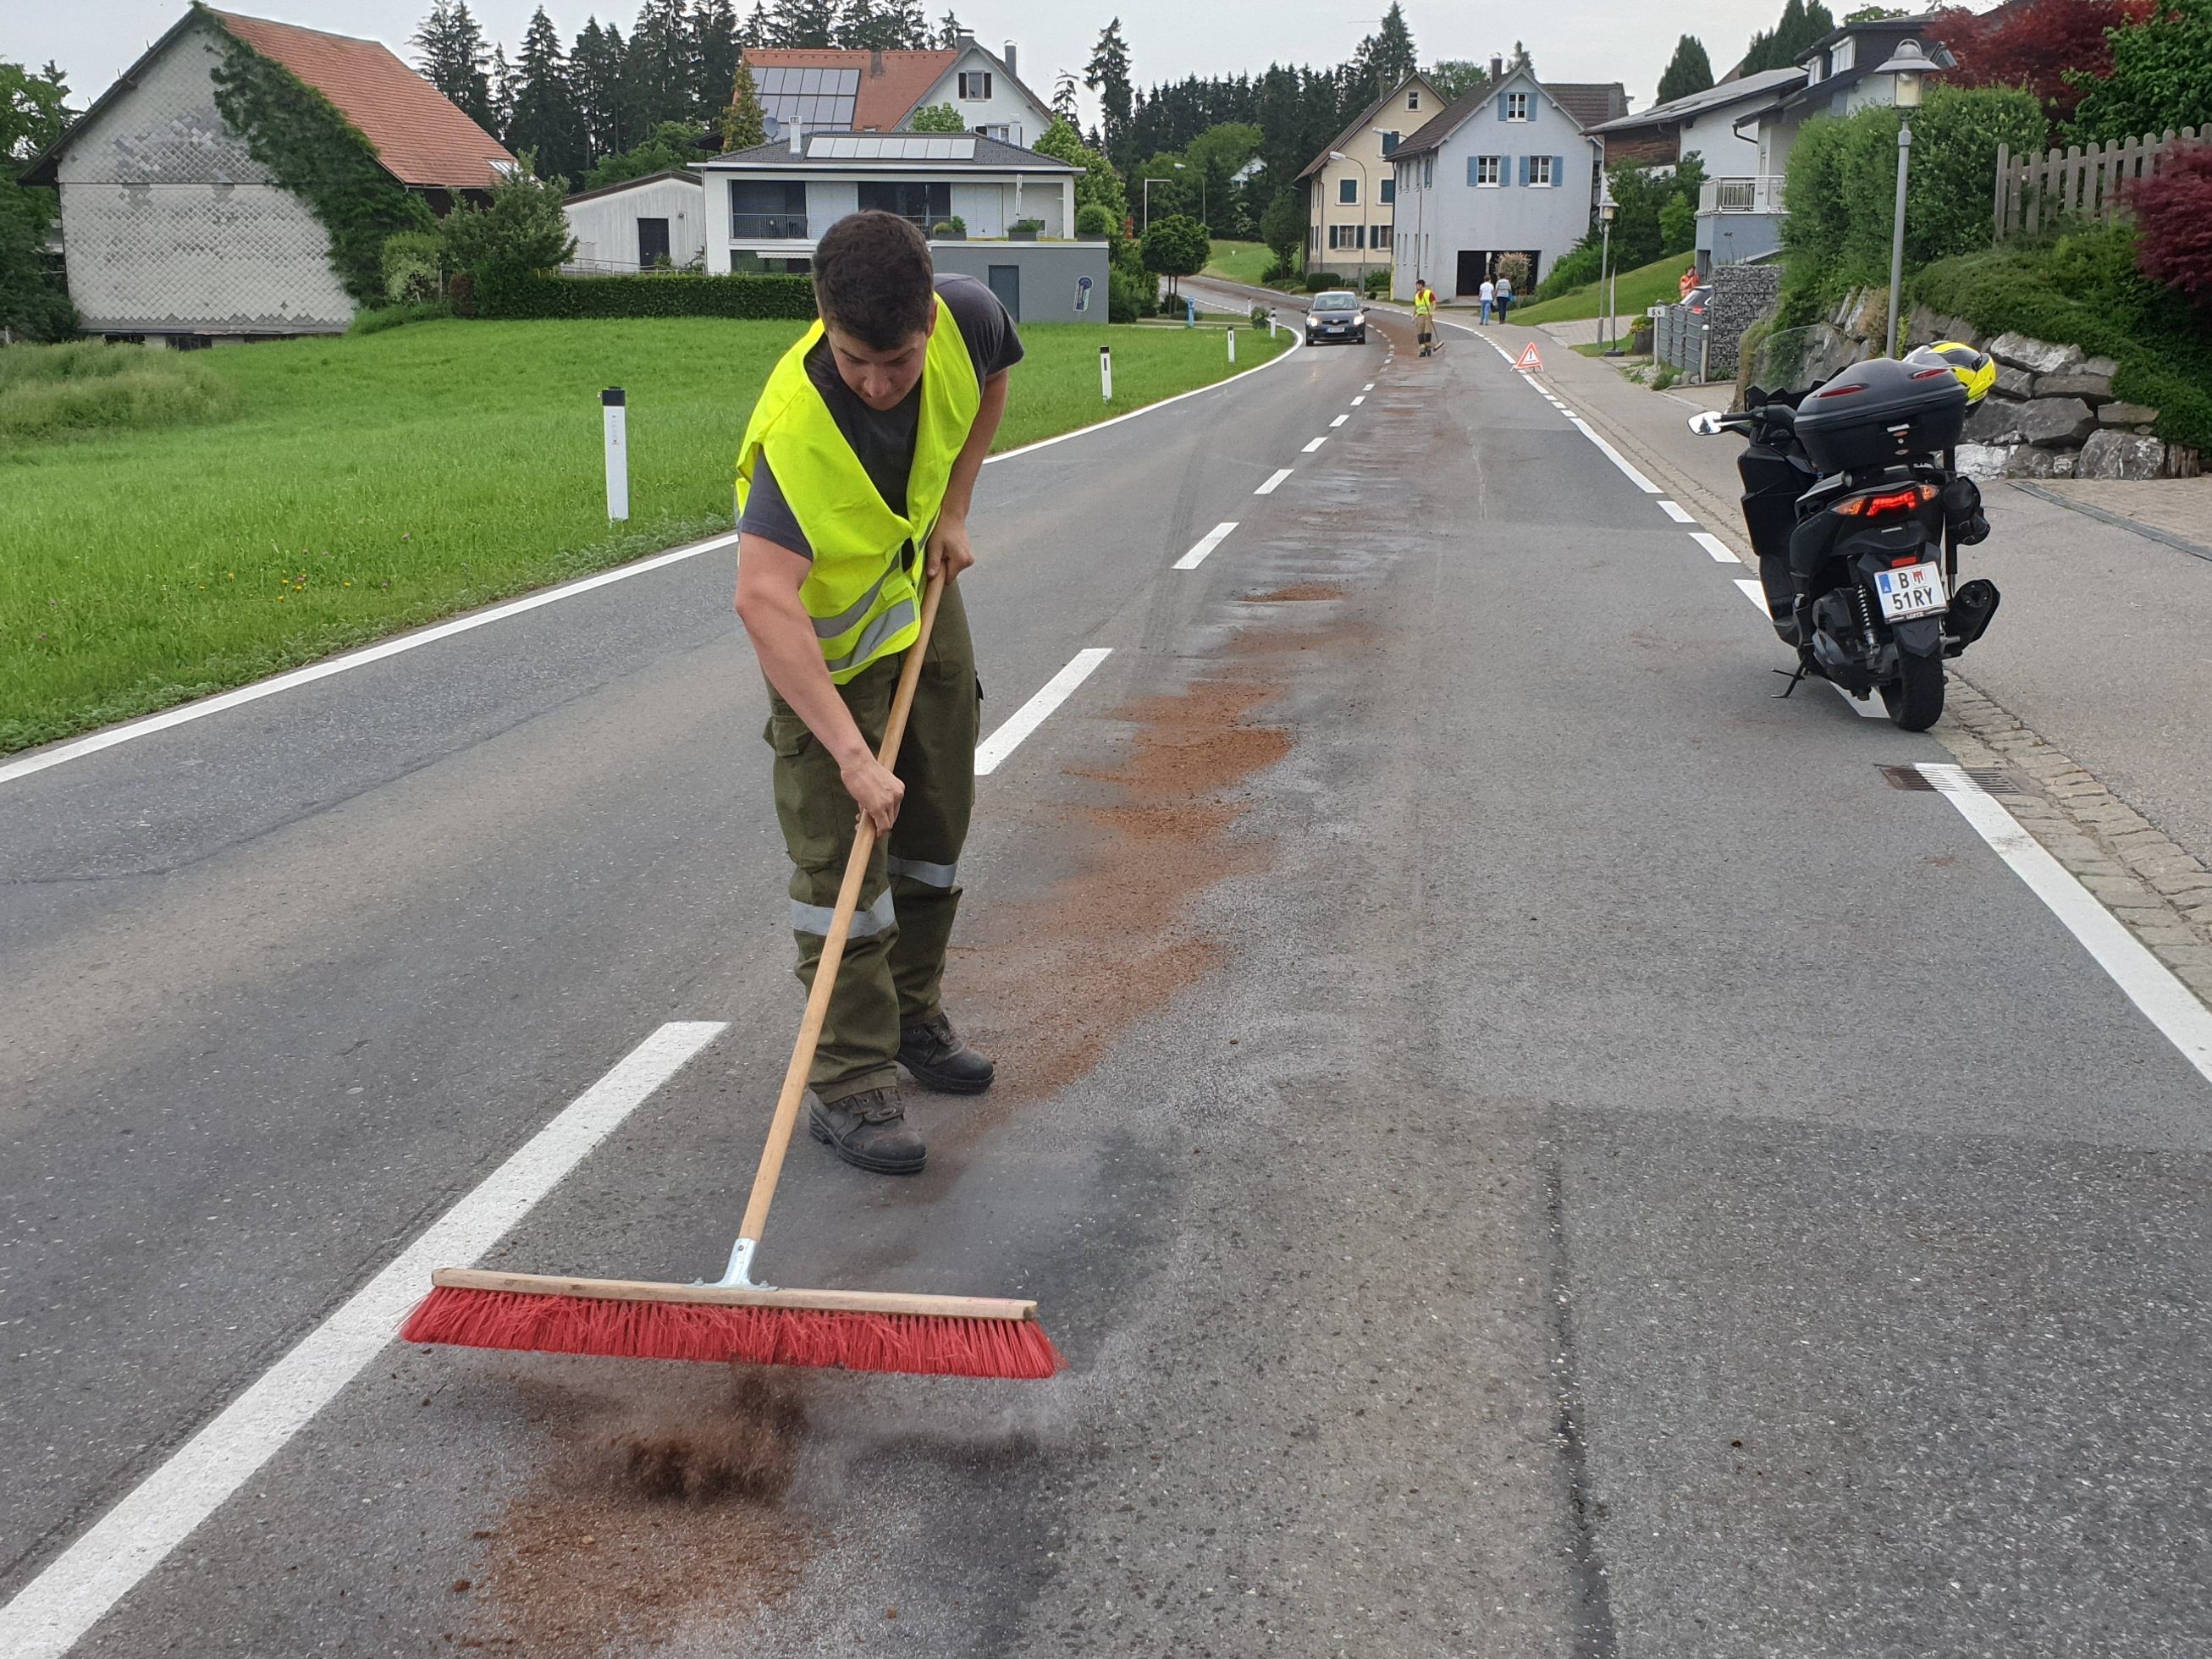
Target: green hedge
(2083,289)
(1841,188)
(764,297)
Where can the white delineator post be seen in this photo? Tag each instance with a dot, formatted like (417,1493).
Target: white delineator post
(1106,373)
(614,407)
(1271,322)
(1232,342)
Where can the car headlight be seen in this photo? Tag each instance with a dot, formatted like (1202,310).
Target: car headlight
(1359,319)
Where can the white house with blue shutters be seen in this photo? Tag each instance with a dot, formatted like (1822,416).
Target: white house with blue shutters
(1504,169)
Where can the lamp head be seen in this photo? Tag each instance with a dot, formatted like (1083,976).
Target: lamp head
(1907,64)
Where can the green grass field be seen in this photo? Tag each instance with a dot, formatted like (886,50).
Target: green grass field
(1240,261)
(369,484)
(1656,284)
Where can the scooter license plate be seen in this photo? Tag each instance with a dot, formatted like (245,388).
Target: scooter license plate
(1912,590)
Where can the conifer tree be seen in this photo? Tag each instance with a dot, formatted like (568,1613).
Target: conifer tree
(712,50)
(744,123)
(546,119)
(1107,74)
(1689,71)
(455,60)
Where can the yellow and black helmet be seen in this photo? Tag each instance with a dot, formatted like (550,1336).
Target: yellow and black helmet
(1977,370)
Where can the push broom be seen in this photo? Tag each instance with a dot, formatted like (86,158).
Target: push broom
(735,1318)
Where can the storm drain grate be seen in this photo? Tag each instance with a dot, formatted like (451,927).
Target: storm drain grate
(1994,779)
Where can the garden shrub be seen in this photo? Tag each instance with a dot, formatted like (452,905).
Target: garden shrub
(1378,282)
(414,262)
(378,319)
(1578,267)
(2084,288)
(1127,297)
(770,297)
(1315,281)
(1093,219)
(2162,67)
(86,386)
(2173,223)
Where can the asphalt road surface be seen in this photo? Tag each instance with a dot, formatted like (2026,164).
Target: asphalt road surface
(1530,1145)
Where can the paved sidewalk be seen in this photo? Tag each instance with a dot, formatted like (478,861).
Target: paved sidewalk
(2101,649)
(1586,330)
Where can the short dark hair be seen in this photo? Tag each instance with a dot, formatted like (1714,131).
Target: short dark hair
(873,279)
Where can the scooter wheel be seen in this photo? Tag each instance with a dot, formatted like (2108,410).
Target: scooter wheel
(1915,698)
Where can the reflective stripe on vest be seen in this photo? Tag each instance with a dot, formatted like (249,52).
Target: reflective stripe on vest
(859,590)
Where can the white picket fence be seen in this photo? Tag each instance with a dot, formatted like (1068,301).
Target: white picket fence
(2076,183)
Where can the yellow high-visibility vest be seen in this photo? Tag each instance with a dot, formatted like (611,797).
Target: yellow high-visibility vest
(1424,303)
(862,589)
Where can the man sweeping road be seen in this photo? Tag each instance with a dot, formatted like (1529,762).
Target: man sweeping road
(854,482)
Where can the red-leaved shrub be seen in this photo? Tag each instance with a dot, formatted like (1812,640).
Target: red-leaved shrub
(2173,222)
(2033,44)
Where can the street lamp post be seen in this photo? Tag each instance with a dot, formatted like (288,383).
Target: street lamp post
(1907,65)
(1606,207)
(1179,167)
(1149,183)
(1338,155)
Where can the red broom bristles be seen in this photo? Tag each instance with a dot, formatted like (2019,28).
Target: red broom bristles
(919,1345)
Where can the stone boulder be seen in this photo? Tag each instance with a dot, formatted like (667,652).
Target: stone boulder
(1928,326)
(1984,460)
(2029,462)
(2125,415)
(2075,383)
(2055,421)
(1993,421)
(2036,357)
(2112,454)
(2015,382)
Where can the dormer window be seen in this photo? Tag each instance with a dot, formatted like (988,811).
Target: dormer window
(975,85)
(1843,54)
(1516,106)
(1413,99)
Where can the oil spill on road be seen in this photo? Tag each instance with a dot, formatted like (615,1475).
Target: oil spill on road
(1053,980)
(1296,591)
(658,1503)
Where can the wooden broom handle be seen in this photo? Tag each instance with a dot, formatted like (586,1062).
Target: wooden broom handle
(833,945)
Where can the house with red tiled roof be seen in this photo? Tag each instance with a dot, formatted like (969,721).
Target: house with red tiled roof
(172,229)
(860,91)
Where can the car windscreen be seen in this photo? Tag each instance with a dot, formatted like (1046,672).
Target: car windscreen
(1336,302)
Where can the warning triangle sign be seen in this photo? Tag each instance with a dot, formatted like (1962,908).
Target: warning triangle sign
(1529,361)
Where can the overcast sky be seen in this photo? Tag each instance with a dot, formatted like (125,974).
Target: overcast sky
(1624,40)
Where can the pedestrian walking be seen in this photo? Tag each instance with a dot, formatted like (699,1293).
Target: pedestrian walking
(1424,314)
(1504,296)
(854,485)
(1489,293)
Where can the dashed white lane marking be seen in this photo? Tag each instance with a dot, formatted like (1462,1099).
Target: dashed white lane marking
(1757,595)
(1722,552)
(992,752)
(2148,983)
(51,1613)
(1206,544)
(1360,400)
(1340,421)
(1315,444)
(1268,487)
(1676,513)
(1369,386)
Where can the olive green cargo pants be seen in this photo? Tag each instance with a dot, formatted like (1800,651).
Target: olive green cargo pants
(895,962)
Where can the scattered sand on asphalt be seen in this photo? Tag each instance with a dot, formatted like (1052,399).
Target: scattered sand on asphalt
(1295,591)
(658,1504)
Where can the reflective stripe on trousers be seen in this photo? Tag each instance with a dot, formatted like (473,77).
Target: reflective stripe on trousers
(866,924)
(929,875)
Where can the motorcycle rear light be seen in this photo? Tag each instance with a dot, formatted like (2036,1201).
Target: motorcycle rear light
(1930,374)
(1899,501)
(1840,391)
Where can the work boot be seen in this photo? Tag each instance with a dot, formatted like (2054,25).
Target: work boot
(938,1058)
(869,1131)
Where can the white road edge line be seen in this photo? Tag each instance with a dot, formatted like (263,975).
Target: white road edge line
(22,768)
(1315,444)
(992,752)
(1206,544)
(1268,487)
(1616,458)
(390,647)
(2149,983)
(1867,709)
(1722,552)
(1676,513)
(50,1614)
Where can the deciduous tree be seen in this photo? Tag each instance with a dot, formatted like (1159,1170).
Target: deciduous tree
(2162,77)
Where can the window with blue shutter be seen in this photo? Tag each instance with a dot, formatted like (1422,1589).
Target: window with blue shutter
(1559,169)
(1524,169)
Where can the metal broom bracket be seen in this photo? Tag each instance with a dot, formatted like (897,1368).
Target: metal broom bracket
(738,1275)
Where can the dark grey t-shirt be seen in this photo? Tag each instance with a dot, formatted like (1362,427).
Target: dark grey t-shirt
(883,440)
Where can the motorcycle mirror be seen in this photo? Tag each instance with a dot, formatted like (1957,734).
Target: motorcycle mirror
(1705,423)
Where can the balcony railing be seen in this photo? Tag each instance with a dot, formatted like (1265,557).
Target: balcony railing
(1759,194)
(768,226)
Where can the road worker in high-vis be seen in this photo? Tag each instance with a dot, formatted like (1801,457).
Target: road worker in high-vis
(853,485)
(1424,313)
